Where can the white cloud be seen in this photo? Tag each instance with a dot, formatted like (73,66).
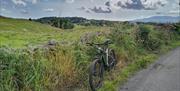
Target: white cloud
(49,10)
(69,1)
(177,1)
(113,4)
(5,10)
(34,1)
(174,12)
(87,10)
(153,4)
(101,9)
(117,4)
(23,11)
(92,0)
(136,4)
(123,2)
(19,2)
(176,5)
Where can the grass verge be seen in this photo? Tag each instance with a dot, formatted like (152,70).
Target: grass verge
(128,71)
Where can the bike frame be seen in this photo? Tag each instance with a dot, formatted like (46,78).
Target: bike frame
(103,54)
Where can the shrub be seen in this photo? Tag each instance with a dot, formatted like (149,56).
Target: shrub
(124,40)
(57,22)
(148,37)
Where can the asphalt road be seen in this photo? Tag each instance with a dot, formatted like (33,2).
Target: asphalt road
(163,75)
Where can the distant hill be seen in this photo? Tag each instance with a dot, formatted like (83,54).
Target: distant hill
(160,19)
(77,20)
(1,16)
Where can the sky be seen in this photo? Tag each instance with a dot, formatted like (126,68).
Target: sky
(121,10)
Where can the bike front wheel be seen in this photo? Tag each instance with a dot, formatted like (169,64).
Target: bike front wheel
(96,74)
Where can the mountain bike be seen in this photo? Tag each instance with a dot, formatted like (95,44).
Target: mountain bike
(105,59)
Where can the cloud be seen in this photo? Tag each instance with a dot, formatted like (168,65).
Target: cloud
(176,5)
(92,0)
(84,9)
(69,1)
(5,10)
(96,9)
(153,4)
(19,2)
(136,4)
(177,2)
(34,1)
(87,11)
(48,10)
(158,13)
(174,12)
(107,4)
(101,9)
(24,11)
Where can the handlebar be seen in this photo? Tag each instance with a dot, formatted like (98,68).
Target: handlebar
(91,44)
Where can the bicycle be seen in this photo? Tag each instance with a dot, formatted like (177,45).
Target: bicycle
(104,60)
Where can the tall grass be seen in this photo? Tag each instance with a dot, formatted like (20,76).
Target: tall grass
(64,67)
(37,70)
(18,71)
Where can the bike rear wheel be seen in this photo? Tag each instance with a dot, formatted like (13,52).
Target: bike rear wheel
(112,59)
(96,74)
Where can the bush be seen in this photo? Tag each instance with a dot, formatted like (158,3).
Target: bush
(124,40)
(57,22)
(148,37)
(62,23)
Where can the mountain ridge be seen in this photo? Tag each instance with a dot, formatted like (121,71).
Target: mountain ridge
(160,19)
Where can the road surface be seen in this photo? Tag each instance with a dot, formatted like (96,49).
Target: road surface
(163,75)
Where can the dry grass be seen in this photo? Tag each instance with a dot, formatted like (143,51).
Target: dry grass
(61,68)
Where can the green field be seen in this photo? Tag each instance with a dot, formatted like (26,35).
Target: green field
(64,66)
(19,33)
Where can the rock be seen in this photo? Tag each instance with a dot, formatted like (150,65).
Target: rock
(52,42)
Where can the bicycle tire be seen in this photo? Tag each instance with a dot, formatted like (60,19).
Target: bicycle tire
(92,71)
(112,58)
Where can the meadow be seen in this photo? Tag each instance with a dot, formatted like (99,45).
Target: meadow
(28,63)
(20,33)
